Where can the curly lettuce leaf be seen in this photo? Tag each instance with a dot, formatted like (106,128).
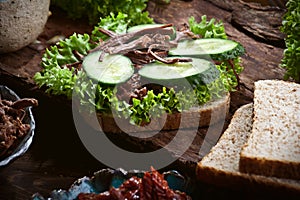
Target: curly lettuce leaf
(207,29)
(117,24)
(291,27)
(56,77)
(59,79)
(92,95)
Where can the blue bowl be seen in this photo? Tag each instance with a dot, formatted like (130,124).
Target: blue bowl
(107,178)
(22,147)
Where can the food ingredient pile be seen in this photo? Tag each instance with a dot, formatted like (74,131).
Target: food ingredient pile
(152,186)
(12,127)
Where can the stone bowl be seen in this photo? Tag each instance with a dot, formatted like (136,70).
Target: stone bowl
(21,22)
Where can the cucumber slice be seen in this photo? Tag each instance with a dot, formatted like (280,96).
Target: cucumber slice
(144,26)
(217,49)
(198,68)
(113,69)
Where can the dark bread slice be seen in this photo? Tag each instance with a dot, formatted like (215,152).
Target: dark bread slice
(204,115)
(221,165)
(273,147)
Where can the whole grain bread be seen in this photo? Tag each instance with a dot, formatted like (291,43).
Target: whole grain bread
(221,165)
(273,148)
(207,114)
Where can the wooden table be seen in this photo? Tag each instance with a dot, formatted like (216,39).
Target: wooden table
(57,157)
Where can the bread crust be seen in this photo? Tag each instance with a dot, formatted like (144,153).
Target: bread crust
(208,114)
(221,165)
(276,168)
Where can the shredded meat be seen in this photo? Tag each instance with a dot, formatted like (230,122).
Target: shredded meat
(12,127)
(152,186)
(143,46)
(127,89)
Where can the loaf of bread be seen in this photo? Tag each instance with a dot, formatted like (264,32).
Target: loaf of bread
(273,148)
(221,165)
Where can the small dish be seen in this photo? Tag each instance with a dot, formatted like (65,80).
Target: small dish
(107,178)
(24,143)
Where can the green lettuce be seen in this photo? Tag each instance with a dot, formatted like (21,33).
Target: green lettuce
(56,76)
(61,76)
(291,27)
(207,29)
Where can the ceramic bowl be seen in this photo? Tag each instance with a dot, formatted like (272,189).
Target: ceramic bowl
(107,178)
(23,145)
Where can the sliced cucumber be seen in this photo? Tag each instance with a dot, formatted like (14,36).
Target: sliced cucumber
(145,26)
(217,49)
(199,68)
(113,69)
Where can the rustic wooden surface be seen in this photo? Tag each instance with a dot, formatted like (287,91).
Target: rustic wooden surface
(57,157)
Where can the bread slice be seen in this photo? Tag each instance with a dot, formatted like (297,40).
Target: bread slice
(221,165)
(210,113)
(273,148)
